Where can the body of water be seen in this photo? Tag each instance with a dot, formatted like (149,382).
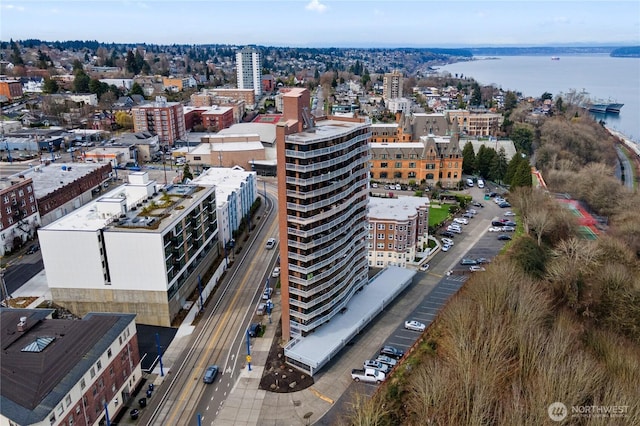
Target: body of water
(601,76)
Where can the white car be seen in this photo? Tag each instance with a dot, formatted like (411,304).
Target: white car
(386,360)
(445,247)
(476,268)
(414,325)
(461,220)
(424,267)
(372,363)
(472,211)
(508,228)
(455,230)
(447,241)
(276,272)
(267,293)
(509,213)
(495,229)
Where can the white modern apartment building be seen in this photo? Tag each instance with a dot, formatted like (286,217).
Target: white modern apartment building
(249,69)
(322,203)
(137,249)
(236,191)
(398,229)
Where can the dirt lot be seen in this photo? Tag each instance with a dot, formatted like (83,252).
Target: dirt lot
(279,377)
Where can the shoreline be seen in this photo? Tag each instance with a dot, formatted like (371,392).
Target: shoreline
(628,142)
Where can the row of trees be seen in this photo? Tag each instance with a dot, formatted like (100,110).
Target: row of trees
(493,165)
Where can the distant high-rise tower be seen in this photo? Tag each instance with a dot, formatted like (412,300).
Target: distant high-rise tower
(392,85)
(323,170)
(249,68)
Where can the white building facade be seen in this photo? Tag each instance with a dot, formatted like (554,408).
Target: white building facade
(249,69)
(139,249)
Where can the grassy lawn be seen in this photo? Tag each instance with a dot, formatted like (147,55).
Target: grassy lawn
(438,213)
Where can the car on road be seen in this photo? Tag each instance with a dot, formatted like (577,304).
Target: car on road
(445,247)
(210,374)
(267,293)
(508,228)
(509,213)
(271,243)
(372,363)
(33,248)
(387,360)
(504,237)
(424,267)
(476,268)
(392,352)
(276,272)
(447,241)
(461,220)
(447,234)
(468,261)
(414,325)
(495,229)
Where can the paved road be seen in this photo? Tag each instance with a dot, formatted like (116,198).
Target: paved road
(624,168)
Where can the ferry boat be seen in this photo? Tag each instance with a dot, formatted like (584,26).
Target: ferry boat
(555,58)
(614,108)
(601,107)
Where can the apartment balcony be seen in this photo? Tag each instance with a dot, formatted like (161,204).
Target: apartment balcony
(331,162)
(324,237)
(309,154)
(349,204)
(354,234)
(348,268)
(302,193)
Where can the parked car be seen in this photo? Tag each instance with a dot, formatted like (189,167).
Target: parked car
(510,223)
(468,261)
(467,215)
(504,237)
(447,241)
(424,267)
(387,360)
(461,220)
(271,243)
(448,234)
(267,293)
(372,363)
(210,374)
(482,260)
(509,213)
(254,329)
(455,230)
(445,247)
(504,205)
(472,211)
(392,352)
(276,272)
(33,248)
(477,204)
(476,268)
(374,185)
(414,325)
(495,229)
(508,228)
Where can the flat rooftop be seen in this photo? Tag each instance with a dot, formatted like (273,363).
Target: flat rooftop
(401,208)
(143,213)
(49,178)
(326,129)
(319,347)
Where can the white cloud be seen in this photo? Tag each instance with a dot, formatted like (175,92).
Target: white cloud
(12,7)
(316,6)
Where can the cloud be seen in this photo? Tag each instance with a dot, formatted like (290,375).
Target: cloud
(316,6)
(12,7)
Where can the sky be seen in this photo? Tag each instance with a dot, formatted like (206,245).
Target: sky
(326,23)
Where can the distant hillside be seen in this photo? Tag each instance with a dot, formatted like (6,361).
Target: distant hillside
(626,52)
(542,50)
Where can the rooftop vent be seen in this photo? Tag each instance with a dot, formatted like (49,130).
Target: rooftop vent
(22,325)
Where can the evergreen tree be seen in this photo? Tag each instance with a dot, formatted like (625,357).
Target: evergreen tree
(131,63)
(476,95)
(136,89)
(510,101)
(522,176)
(522,137)
(468,159)
(50,86)
(484,159)
(81,83)
(498,166)
(186,173)
(512,167)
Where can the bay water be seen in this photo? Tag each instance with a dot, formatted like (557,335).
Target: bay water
(601,76)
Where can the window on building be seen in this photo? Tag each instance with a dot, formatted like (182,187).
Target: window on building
(99,365)
(381,236)
(390,247)
(109,353)
(391,227)
(92,372)
(397,175)
(67,400)
(380,246)
(82,384)
(381,226)
(398,156)
(398,164)
(383,175)
(384,165)
(412,165)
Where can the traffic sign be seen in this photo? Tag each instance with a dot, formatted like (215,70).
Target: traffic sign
(248,358)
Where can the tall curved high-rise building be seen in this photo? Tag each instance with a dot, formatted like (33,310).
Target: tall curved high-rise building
(322,202)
